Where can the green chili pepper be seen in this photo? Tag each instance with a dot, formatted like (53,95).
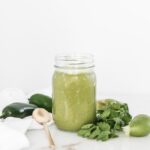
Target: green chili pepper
(18,110)
(42,101)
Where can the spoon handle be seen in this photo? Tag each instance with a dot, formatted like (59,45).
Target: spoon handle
(47,131)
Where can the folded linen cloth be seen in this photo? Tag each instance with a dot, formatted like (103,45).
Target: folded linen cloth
(21,125)
(11,95)
(11,139)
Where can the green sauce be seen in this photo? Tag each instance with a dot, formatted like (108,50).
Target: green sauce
(73,99)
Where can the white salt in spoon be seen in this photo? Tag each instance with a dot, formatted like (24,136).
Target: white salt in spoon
(43,117)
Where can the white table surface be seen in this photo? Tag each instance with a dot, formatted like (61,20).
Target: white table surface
(137,104)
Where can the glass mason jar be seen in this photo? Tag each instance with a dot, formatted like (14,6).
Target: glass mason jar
(73,91)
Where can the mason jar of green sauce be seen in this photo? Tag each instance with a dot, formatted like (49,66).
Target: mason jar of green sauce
(73,91)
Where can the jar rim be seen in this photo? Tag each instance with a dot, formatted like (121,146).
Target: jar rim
(71,61)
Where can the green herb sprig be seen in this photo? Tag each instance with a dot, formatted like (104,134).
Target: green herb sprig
(111,116)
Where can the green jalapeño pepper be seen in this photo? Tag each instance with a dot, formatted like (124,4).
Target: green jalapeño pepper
(41,101)
(18,110)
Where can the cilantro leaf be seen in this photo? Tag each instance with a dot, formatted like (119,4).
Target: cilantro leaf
(104,135)
(111,116)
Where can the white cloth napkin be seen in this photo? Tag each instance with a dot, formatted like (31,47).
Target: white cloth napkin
(12,130)
(11,139)
(11,95)
(21,125)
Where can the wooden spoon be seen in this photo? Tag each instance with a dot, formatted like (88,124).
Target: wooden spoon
(43,117)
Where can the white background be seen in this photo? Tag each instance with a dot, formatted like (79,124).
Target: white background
(117,32)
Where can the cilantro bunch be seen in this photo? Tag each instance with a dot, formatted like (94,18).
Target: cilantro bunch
(111,116)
